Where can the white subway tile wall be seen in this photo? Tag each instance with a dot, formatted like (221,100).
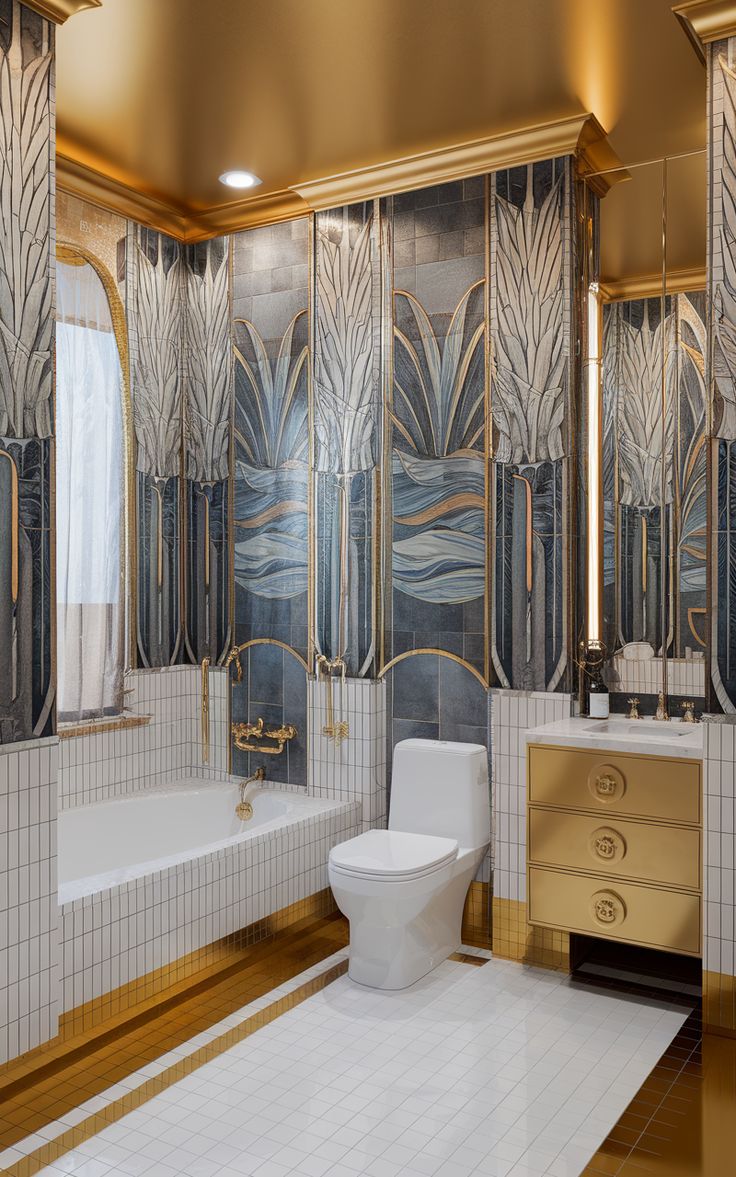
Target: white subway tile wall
(29,924)
(511,713)
(719,848)
(96,766)
(354,769)
(119,934)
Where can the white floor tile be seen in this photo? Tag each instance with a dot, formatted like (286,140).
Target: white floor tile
(499,1071)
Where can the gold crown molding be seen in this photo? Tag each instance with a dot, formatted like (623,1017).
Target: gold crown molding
(59,11)
(81,180)
(650,285)
(244,214)
(705,21)
(581,135)
(544,141)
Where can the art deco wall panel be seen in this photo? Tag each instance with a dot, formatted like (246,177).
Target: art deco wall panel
(156,319)
(722,296)
(272,499)
(207,398)
(436,469)
(638,567)
(347,418)
(26,344)
(531,310)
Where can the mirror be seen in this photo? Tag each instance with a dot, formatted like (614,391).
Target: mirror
(652,445)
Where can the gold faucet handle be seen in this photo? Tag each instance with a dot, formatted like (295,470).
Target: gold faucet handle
(287,732)
(634,708)
(688,709)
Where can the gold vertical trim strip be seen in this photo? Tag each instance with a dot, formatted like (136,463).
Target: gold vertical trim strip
(14,514)
(311,463)
(487,429)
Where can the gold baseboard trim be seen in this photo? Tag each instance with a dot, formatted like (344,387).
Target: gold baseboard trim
(142,999)
(514,938)
(468,958)
(719,1003)
(74,1137)
(476,929)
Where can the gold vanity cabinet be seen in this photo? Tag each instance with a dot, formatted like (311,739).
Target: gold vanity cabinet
(614,846)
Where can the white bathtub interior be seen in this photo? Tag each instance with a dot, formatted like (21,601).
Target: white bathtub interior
(111,842)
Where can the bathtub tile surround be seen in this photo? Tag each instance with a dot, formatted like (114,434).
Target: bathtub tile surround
(354,768)
(719,873)
(96,767)
(523,1091)
(511,714)
(129,929)
(29,914)
(27,162)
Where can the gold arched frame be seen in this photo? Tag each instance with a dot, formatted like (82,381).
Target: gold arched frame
(76,255)
(438,654)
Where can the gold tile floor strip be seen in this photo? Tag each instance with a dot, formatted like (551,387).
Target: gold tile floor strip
(73,1137)
(61,1085)
(468,958)
(682,1121)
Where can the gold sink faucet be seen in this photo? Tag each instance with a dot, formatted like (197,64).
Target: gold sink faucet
(662,713)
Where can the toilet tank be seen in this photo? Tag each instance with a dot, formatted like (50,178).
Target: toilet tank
(440,787)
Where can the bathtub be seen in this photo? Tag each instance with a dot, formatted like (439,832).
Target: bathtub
(149,877)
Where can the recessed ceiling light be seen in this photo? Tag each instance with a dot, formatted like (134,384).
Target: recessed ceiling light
(237,179)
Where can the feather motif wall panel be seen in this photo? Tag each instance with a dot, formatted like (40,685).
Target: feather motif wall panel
(26,349)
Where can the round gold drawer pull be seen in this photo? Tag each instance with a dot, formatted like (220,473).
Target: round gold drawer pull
(606,783)
(607,909)
(607,845)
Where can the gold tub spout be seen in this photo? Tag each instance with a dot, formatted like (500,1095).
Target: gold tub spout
(234,656)
(244,809)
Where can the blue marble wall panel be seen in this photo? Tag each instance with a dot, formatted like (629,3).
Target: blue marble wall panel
(347,440)
(531,302)
(437,414)
(26,372)
(271,524)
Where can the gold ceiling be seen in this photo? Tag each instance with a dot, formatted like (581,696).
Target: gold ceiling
(164,95)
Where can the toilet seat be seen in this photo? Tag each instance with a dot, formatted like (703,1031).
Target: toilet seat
(392,855)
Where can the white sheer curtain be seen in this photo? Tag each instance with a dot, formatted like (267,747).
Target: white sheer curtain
(90,496)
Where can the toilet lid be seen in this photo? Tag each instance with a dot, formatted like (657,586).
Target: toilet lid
(393,854)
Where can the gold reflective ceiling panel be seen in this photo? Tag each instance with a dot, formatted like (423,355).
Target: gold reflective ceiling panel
(164,97)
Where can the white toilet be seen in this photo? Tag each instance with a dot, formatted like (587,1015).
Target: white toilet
(403,889)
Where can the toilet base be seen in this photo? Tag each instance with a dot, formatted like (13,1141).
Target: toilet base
(394,943)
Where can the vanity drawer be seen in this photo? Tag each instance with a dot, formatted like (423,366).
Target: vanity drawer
(613,782)
(614,910)
(614,846)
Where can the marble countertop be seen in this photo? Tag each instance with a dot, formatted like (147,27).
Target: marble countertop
(617,734)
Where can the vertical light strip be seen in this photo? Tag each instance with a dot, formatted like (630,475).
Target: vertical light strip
(594,440)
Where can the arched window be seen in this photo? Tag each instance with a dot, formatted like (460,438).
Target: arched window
(92,408)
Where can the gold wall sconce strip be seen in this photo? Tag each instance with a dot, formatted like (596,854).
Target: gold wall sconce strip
(14,516)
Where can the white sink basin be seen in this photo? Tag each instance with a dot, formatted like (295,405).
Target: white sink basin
(631,729)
